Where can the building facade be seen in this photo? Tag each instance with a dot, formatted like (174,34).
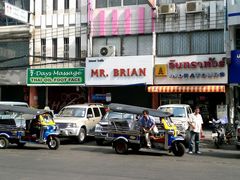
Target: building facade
(14,52)
(59,47)
(184,38)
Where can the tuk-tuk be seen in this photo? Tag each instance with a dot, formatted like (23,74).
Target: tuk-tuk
(17,124)
(126,133)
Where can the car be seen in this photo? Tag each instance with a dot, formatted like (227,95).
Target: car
(78,121)
(14,103)
(180,117)
(101,127)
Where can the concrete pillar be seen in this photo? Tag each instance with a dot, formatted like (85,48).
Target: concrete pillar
(155,100)
(33,97)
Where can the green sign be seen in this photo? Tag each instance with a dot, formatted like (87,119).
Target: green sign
(64,76)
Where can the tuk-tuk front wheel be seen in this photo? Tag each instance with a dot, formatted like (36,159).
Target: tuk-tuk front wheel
(3,143)
(178,149)
(53,143)
(121,147)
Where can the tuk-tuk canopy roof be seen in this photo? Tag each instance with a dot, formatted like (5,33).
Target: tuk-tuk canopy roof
(137,110)
(22,110)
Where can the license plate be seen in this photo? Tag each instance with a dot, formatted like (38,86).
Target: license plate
(214,134)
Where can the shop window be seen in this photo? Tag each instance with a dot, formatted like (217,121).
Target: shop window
(66,48)
(78,5)
(113,3)
(190,43)
(66,5)
(129,46)
(54,48)
(44,6)
(164,44)
(129,2)
(43,49)
(78,47)
(181,43)
(55,5)
(142,1)
(101,3)
(199,42)
(216,42)
(145,45)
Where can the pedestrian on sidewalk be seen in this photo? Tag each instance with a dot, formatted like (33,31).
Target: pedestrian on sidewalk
(195,125)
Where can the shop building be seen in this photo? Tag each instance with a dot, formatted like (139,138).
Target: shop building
(195,80)
(14,50)
(59,48)
(121,45)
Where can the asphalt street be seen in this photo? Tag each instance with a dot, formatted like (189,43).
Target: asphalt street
(89,161)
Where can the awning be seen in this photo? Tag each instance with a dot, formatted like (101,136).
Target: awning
(186,89)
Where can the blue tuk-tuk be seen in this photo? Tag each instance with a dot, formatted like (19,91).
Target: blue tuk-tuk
(16,124)
(125,133)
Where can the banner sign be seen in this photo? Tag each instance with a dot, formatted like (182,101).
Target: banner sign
(61,76)
(16,13)
(234,67)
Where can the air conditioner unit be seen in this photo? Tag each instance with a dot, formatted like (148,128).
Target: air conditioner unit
(167,9)
(107,51)
(194,6)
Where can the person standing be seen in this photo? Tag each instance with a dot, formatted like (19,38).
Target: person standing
(147,124)
(195,124)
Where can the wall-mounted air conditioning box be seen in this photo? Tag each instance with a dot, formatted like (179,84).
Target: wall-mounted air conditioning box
(167,9)
(107,51)
(194,6)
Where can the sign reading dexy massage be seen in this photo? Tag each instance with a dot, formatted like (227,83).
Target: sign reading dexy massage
(55,76)
(119,70)
(197,69)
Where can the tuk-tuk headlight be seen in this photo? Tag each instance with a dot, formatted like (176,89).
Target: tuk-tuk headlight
(71,125)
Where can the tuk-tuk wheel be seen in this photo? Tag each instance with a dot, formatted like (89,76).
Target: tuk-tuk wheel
(178,149)
(121,147)
(53,143)
(3,143)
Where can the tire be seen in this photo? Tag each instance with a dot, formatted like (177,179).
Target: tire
(121,147)
(178,149)
(53,143)
(3,143)
(81,136)
(99,142)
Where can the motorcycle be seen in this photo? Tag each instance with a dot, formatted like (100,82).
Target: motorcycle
(218,133)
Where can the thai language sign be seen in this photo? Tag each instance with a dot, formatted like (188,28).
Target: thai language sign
(61,76)
(196,69)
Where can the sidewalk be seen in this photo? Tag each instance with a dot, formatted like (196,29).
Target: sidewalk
(207,142)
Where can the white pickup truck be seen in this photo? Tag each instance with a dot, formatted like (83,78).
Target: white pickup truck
(180,117)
